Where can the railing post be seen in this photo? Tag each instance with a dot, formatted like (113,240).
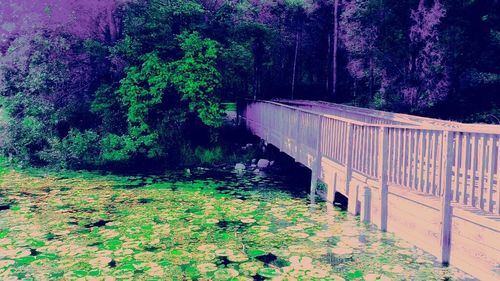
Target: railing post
(316,165)
(348,157)
(282,129)
(297,136)
(446,209)
(383,152)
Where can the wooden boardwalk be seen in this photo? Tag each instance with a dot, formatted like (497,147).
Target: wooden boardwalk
(431,182)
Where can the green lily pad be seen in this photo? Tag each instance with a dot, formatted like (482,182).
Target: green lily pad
(268,272)
(25,260)
(3,233)
(353,275)
(255,253)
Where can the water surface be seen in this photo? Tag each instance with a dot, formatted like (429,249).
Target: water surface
(207,225)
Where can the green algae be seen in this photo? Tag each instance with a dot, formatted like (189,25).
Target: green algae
(205,226)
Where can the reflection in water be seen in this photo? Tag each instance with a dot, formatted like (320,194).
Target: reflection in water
(204,225)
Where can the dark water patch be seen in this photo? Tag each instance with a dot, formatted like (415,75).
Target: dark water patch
(237,225)
(112,263)
(34,208)
(144,200)
(99,223)
(258,277)
(4,207)
(151,248)
(223,260)
(267,258)
(34,252)
(51,236)
(279,262)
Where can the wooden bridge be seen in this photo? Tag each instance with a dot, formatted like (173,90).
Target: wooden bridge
(431,182)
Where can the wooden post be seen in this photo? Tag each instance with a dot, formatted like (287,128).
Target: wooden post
(353,206)
(492,152)
(330,195)
(348,157)
(282,134)
(367,206)
(297,136)
(383,152)
(446,209)
(316,165)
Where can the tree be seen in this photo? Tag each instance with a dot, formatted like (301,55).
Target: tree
(193,78)
(196,77)
(359,35)
(93,18)
(44,78)
(429,73)
(300,10)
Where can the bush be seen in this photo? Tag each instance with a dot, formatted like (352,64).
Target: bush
(209,156)
(201,155)
(77,150)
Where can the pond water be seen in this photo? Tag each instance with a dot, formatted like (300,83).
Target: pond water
(207,225)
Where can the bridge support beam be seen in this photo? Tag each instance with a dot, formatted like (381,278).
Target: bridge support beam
(330,194)
(367,205)
(353,202)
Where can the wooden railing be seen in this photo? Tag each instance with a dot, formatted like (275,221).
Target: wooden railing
(455,162)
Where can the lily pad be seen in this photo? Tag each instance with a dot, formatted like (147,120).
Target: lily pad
(225,274)
(268,272)
(206,267)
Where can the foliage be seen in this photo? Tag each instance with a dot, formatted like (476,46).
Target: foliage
(430,70)
(196,77)
(139,92)
(142,79)
(43,92)
(77,150)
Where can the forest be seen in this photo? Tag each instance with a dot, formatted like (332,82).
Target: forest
(102,83)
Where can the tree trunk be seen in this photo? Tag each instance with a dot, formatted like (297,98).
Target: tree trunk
(327,83)
(371,78)
(297,39)
(113,30)
(335,45)
(255,80)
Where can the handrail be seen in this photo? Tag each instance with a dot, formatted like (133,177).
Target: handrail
(417,155)
(466,128)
